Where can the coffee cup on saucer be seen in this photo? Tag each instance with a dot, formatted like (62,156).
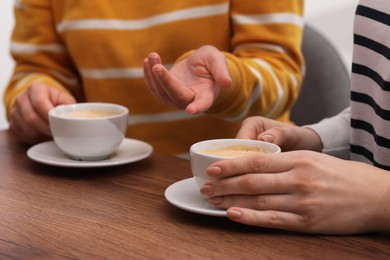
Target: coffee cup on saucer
(204,153)
(88,131)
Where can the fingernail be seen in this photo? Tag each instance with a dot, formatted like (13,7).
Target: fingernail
(234,213)
(158,73)
(214,171)
(267,138)
(190,109)
(207,190)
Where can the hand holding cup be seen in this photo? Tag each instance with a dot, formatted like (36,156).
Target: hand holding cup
(204,153)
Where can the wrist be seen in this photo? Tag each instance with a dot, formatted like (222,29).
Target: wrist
(382,214)
(312,140)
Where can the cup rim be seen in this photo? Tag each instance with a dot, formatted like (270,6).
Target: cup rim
(227,141)
(54,111)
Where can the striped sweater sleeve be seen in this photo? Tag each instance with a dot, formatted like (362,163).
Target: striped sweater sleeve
(266,61)
(38,52)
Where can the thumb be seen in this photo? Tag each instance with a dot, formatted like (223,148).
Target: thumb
(223,79)
(60,98)
(276,135)
(290,137)
(219,71)
(266,138)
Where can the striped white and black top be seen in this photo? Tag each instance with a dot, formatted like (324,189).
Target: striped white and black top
(368,118)
(370,94)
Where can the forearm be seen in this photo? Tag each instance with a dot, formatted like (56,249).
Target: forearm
(380,211)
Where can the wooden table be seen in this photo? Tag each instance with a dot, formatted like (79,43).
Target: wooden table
(120,212)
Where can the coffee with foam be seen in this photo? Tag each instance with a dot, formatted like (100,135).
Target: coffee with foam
(234,151)
(89,113)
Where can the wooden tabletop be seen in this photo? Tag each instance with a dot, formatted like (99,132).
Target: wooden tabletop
(120,212)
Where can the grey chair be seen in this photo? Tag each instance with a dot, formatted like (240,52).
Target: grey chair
(326,86)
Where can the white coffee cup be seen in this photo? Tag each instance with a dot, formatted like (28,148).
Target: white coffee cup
(88,131)
(204,153)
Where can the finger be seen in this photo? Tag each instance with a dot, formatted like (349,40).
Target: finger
(277,135)
(157,90)
(148,78)
(180,96)
(219,70)
(287,137)
(24,132)
(259,163)
(202,102)
(280,202)
(268,219)
(39,101)
(148,64)
(28,119)
(60,98)
(251,127)
(23,137)
(43,98)
(248,184)
(154,59)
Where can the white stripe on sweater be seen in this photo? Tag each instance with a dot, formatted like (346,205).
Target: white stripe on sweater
(275,18)
(29,49)
(115,73)
(254,97)
(186,14)
(279,88)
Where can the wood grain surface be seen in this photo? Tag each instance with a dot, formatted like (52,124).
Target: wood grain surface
(120,212)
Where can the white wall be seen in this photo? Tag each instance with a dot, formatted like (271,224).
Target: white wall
(334,18)
(6,64)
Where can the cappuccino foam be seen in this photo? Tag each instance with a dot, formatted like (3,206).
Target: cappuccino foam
(234,151)
(89,113)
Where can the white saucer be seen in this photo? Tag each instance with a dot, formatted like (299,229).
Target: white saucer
(130,150)
(185,194)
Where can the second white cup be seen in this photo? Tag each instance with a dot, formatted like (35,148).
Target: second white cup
(204,153)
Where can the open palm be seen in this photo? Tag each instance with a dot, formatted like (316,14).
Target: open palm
(192,83)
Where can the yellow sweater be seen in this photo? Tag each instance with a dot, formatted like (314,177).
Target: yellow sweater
(95,50)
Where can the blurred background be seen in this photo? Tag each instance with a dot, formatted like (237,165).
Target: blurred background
(333,18)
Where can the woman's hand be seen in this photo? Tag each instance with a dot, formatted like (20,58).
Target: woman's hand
(193,83)
(302,191)
(288,137)
(29,116)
